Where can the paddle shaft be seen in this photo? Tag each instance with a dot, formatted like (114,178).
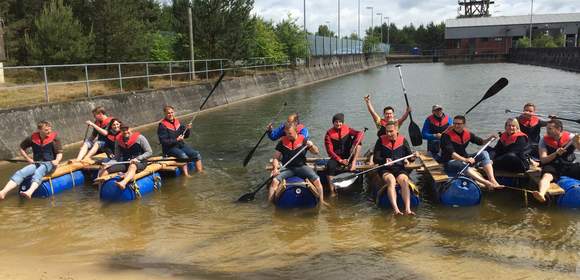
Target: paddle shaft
(356,144)
(382,165)
(251,153)
(148,161)
(414,130)
(544,116)
(404,91)
(468,165)
(219,80)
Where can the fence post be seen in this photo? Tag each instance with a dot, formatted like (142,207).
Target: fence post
(221,66)
(45,85)
(147,73)
(87,81)
(120,77)
(206,72)
(190,74)
(170,75)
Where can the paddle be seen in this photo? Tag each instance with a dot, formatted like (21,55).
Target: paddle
(346,179)
(251,153)
(495,88)
(414,130)
(86,133)
(219,80)
(356,144)
(18,160)
(250,196)
(111,163)
(544,116)
(460,173)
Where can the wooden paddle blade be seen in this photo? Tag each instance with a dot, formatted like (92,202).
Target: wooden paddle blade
(497,87)
(415,134)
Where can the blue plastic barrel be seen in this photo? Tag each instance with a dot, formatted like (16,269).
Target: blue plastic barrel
(461,192)
(111,192)
(296,196)
(385,203)
(571,196)
(56,185)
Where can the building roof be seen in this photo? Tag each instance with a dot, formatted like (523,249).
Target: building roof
(512,20)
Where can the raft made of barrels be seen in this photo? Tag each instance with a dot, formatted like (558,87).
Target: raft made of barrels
(376,183)
(571,196)
(142,184)
(173,168)
(64,177)
(462,191)
(296,192)
(319,165)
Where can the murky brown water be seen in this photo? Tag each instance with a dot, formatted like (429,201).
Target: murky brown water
(192,228)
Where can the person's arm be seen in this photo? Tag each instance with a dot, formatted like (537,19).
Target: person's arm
(276,163)
(304,132)
(403,117)
(165,137)
(58,150)
(476,139)
(118,155)
(545,158)
(276,133)
(543,123)
(330,148)
(576,142)
(187,129)
(145,145)
(358,136)
(97,128)
(25,144)
(313,149)
(374,115)
(425,131)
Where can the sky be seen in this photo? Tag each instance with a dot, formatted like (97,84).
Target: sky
(400,12)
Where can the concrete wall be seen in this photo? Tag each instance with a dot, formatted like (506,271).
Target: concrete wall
(560,58)
(145,107)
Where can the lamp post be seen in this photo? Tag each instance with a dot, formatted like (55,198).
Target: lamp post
(531,20)
(372,18)
(381,17)
(338,31)
(388,33)
(358,33)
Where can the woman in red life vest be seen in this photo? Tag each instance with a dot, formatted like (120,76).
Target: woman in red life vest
(129,146)
(100,128)
(287,148)
(388,115)
(171,135)
(512,151)
(340,143)
(46,155)
(109,147)
(557,156)
(531,126)
(392,146)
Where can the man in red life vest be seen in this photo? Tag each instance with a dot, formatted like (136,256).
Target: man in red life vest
(557,156)
(392,146)
(46,155)
(342,144)
(433,129)
(531,126)
(171,135)
(276,133)
(101,127)
(129,146)
(288,147)
(454,154)
(388,115)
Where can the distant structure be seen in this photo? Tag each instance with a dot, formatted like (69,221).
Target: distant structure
(493,35)
(473,8)
(2,50)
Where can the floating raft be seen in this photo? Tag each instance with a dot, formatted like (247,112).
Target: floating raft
(296,193)
(173,168)
(571,196)
(461,192)
(143,183)
(319,165)
(66,176)
(376,183)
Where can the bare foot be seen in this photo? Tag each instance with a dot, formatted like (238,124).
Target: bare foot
(2,195)
(397,213)
(26,195)
(120,185)
(538,196)
(333,194)
(409,212)
(324,203)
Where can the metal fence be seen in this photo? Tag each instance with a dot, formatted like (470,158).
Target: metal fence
(320,45)
(25,85)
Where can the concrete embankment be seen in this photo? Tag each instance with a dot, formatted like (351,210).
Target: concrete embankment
(144,108)
(559,58)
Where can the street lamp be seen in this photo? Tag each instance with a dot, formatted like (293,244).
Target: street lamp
(358,33)
(338,19)
(388,33)
(381,17)
(372,18)
(531,20)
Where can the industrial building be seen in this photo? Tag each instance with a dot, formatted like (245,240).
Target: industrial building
(486,35)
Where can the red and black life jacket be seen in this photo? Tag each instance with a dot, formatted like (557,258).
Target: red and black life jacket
(130,149)
(393,149)
(459,142)
(171,126)
(110,141)
(507,140)
(531,127)
(291,148)
(104,124)
(438,125)
(341,140)
(43,149)
(552,145)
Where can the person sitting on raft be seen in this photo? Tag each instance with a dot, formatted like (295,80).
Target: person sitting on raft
(454,154)
(171,135)
(275,134)
(46,155)
(129,146)
(339,143)
(557,157)
(531,126)
(512,151)
(287,147)
(101,127)
(389,147)
(109,147)
(433,129)
(388,115)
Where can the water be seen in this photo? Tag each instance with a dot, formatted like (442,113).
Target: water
(192,229)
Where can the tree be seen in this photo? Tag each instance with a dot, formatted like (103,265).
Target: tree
(370,42)
(293,38)
(162,48)
(323,30)
(266,42)
(19,18)
(58,37)
(353,36)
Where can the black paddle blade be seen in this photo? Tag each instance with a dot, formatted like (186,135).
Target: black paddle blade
(493,90)
(415,134)
(247,197)
(251,153)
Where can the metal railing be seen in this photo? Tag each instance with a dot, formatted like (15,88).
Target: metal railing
(121,76)
(321,45)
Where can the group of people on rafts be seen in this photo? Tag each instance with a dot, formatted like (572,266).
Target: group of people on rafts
(519,146)
(110,136)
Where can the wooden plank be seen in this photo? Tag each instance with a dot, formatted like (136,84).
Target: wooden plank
(434,169)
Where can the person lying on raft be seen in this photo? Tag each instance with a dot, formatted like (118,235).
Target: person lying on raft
(531,126)
(171,135)
(339,143)
(46,154)
(288,146)
(433,129)
(454,154)
(556,159)
(101,127)
(512,151)
(277,133)
(388,115)
(129,146)
(389,147)
(109,147)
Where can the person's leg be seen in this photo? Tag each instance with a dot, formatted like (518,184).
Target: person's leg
(17,179)
(94,150)
(331,168)
(543,187)
(355,156)
(486,163)
(403,181)
(84,149)
(195,156)
(391,183)
(275,185)
(40,171)
(310,174)
(180,155)
(131,171)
